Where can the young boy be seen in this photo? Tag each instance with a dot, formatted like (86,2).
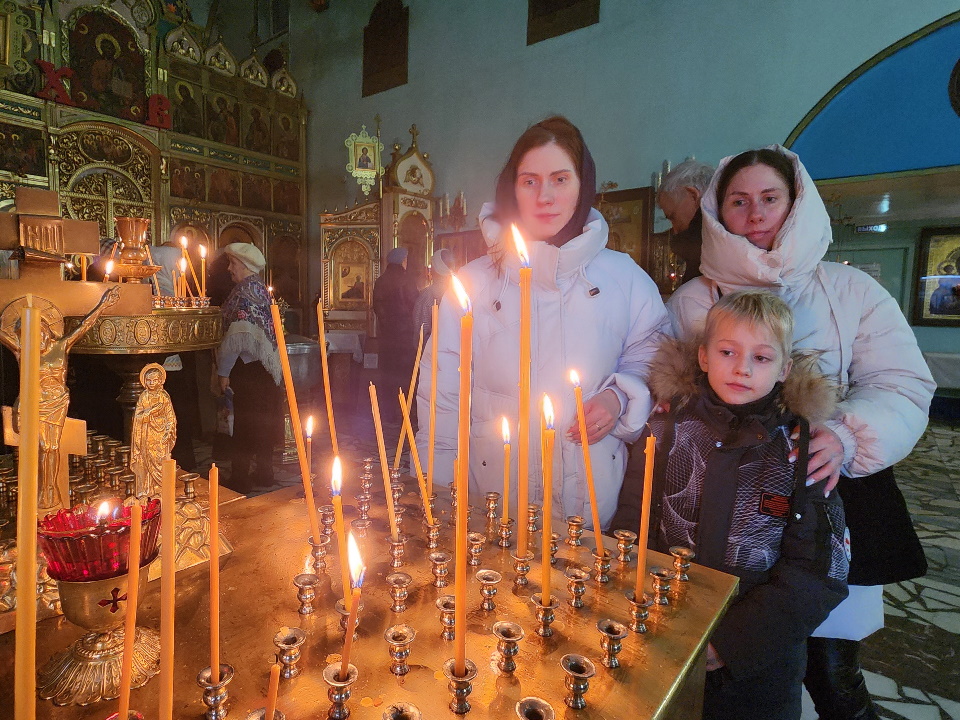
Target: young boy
(729,483)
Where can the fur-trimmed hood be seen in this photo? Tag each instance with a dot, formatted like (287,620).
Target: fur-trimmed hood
(675,371)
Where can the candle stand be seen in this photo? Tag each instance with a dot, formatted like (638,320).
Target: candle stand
(288,641)
(215,695)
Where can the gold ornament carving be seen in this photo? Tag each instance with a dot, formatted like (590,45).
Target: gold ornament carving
(168,330)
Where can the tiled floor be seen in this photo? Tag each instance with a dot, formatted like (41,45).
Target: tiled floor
(913,664)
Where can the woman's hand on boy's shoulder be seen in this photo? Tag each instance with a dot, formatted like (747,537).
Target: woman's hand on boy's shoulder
(824,456)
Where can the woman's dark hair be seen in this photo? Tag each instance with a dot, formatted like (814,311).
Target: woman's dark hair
(764,156)
(559,130)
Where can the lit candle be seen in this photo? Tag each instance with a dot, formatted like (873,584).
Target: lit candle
(203,271)
(188,260)
(413,385)
(176,282)
(384,467)
(415,458)
(214,481)
(107,271)
(356,573)
(25,662)
(649,450)
(324,365)
(272,690)
(432,434)
(523,430)
(168,587)
(336,488)
(505,427)
(295,421)
(309,432)
(587,467)
(548,438)
(130,617)
(183,279)
(463,500)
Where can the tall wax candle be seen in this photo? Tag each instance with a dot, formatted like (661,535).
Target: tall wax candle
(273,689)
(523,421)
(309,450)
(432,433)
(548,440)
(587,466)
(415,458)
(214,481)
(25,660)
(649,450)
(168,583)
(357,571)
(336,487)
(295,421)
(325,368)
(505,429)
(189,260)
(384,468)
(413,387)
(203,271)
(130,616)
(463,499)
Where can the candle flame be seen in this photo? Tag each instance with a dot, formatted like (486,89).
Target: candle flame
(357,568)
(203,251)
(103,512)
(183,266)
(548,411)
(336,479)
(462,296)
(108,270)
(310,427)
(69,266)
(574,378)
(505,428)
(521,247)
(183,241)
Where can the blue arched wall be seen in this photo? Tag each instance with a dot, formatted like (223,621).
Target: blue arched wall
(894,116)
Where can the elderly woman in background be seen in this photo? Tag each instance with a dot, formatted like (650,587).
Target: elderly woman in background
(765,226)
(248,364)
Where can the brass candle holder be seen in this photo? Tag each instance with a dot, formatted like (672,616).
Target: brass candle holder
(215,695)
(601,566)
(661,585)
(440,561)
(446,604)
(545,613)
(612,634)
(534,708)
(488,588)
(460,686)
(360,528)
(318,551)
(399,512)
(493,502)
(576,585)
(554,547)
(433,534)
(344,612)
(533,517)
(682,557)
(339,689)
(288,641)
(505,532)
(578,670)
(402,711)
(475,543)
(366,481)
(327,519)
(399,638)
(396,489)
(521,566)
(625,542)
(509,635)
(306,584)
(639,611)
(398,582)
(396,551)
(574,530)
(363,505)
(432,500)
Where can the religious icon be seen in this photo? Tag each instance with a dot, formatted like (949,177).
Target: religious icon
(364,159)
(54,396)
(187,114)
(154,431)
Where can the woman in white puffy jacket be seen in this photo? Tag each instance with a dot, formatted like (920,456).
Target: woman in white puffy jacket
(765,226)
(593,310)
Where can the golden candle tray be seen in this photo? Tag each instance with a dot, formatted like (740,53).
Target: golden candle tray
(660,674)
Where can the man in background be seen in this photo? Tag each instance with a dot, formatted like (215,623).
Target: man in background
(394,295)
(679,197)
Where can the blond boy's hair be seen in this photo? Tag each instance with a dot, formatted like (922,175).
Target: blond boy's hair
(759,308)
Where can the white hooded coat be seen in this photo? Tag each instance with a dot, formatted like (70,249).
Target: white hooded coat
(594,311)
(867,347)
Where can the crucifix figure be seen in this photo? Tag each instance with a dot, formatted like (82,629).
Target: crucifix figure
(54,396)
